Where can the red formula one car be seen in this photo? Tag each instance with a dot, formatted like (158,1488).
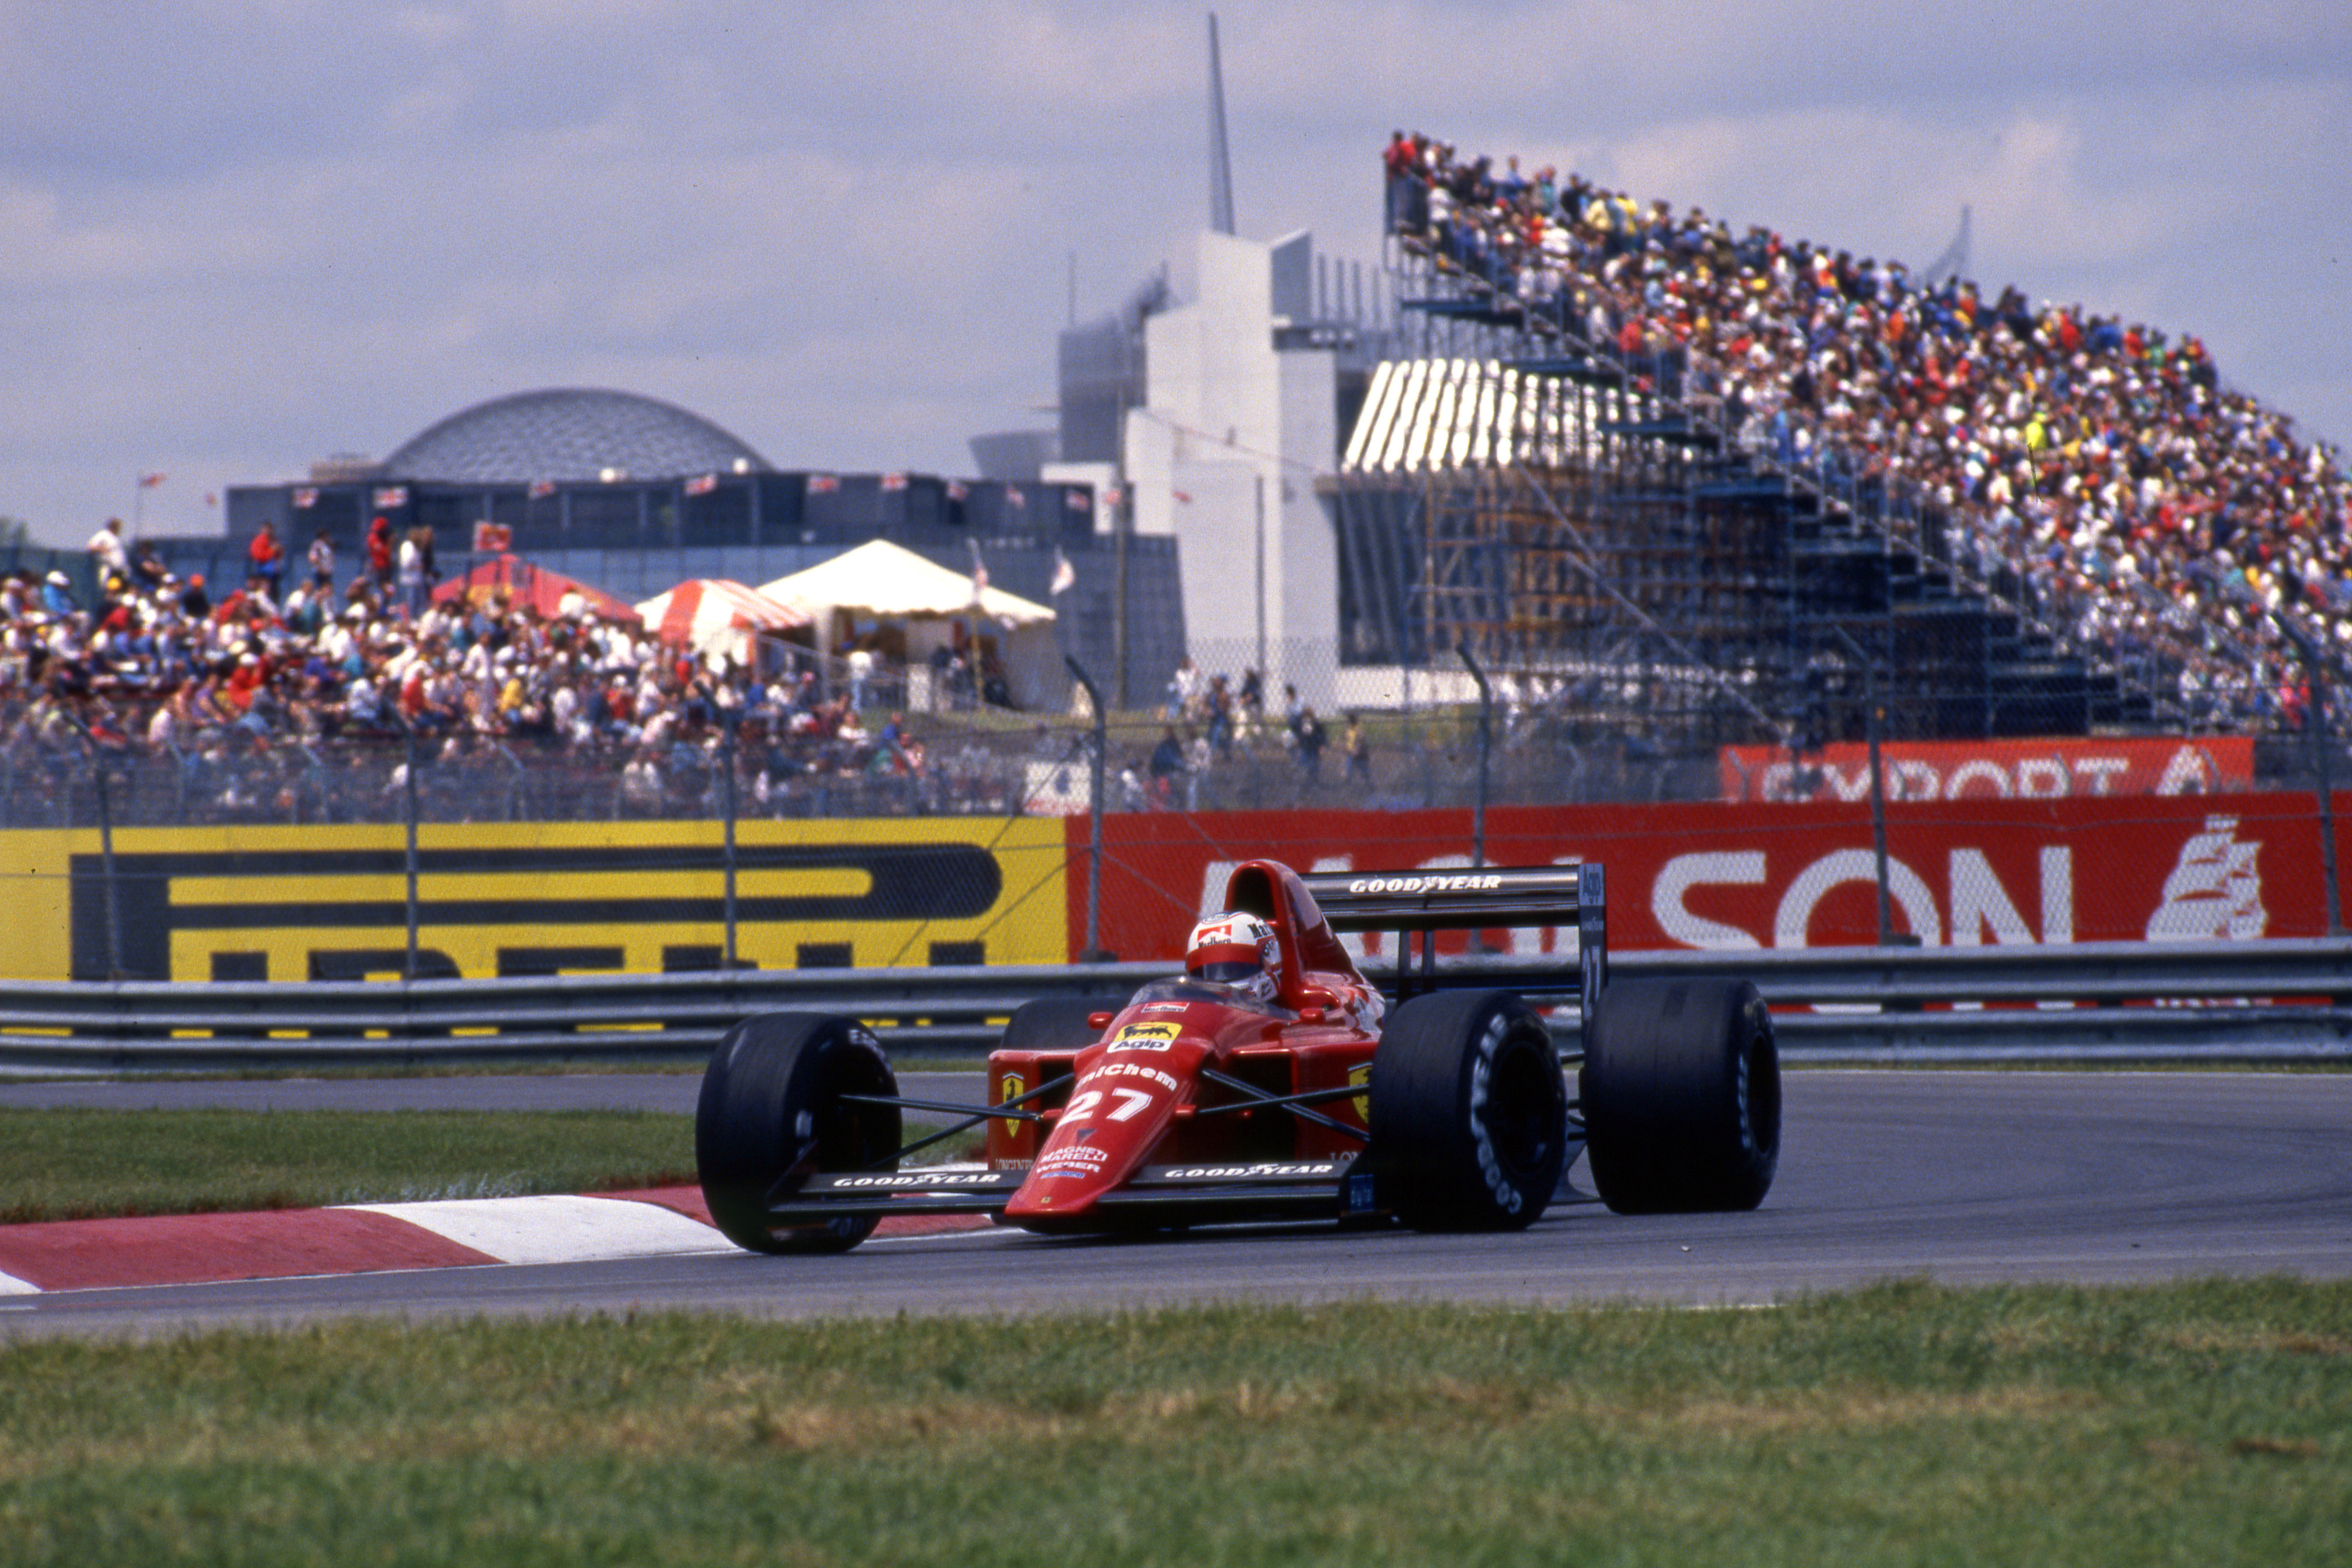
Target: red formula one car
(1273,1080)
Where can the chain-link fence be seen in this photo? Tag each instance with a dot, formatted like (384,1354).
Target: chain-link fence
(962,831)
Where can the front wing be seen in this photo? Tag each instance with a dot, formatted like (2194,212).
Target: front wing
(1205,1194)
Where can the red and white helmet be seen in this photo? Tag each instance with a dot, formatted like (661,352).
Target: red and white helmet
(1236,948)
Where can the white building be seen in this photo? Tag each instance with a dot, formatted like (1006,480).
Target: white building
(1239,421)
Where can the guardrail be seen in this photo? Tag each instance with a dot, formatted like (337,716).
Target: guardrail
(2248,1001)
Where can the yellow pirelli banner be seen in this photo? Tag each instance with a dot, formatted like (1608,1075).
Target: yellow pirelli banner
(331,903)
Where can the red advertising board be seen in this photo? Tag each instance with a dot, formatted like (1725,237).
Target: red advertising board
(1993,769)
(1729,877)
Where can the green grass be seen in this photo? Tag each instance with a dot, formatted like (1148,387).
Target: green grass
(71,1163)
(2196,1424)
(76,1163)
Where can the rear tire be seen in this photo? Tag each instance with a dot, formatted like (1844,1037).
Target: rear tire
(771,1116)
(1469,1112)
(1681,1092)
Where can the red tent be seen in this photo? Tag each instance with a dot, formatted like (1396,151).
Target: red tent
(714,615)
(528,586)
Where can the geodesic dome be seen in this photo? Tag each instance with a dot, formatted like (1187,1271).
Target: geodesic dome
(570,433)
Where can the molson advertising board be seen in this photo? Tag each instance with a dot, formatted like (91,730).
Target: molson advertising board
(330,903)
(2153,868)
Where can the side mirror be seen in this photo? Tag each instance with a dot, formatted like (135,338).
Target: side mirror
(1310,1015)
(1098,1020)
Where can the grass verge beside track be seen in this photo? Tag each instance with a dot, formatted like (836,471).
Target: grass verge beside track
(73,1164)
(2203,1423)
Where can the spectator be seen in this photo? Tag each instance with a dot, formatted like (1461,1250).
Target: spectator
(861,675)
(323,561)
(1311,740)
(267,557)
(412,573)
(1166,765)
(107,552)
(1358,752)
(1183,689)
(380,555)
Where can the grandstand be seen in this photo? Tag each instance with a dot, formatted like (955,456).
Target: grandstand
(1662,474)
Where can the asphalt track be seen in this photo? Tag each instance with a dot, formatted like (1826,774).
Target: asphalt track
(1963,1177)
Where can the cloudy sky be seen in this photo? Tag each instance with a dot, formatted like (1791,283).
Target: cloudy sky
(237,236)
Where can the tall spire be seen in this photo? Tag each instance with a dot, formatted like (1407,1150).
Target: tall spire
(1221,163)
(1954,262)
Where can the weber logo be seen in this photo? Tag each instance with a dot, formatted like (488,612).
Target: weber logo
(1469,884)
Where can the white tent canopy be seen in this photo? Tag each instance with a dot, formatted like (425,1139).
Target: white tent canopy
(889,581)
(886,582)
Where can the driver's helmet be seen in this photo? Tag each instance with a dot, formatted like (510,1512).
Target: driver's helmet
(1237,949)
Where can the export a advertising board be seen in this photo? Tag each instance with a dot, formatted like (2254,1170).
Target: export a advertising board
(2159,869)
(1991,770)
(330,903)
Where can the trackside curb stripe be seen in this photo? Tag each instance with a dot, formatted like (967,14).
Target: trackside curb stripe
(558,1229)
(204,1248)
(11,1286)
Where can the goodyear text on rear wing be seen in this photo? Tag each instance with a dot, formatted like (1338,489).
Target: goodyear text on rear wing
(1406,902)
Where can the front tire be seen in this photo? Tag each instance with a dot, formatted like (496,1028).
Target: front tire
(1681,1092)
(1469,1112)
(771,1115)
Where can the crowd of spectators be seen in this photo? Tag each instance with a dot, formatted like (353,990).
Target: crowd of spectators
(1229,745)
(2097,472)
(293,698)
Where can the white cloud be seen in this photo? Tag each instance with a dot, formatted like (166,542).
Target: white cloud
(233,237)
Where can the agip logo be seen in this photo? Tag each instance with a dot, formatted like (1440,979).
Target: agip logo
(1146,1036)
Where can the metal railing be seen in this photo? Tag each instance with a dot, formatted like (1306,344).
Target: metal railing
(2283,1000)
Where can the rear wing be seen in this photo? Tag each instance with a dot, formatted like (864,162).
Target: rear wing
(1490,897)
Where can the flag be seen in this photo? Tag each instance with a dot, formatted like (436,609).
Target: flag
(979,572)
(541,489)
(212,498)
(822,484)
(1066,576)
(391,497)
(1075,500)
(306,499)
(702,484)
(1183,497)
(148,481)
(1113,495)
(957,490)
(1012,496)
(492,538)
(892,483)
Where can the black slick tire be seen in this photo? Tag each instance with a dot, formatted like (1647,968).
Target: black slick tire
(1681,1092)
(1469,1112)
(771,1115)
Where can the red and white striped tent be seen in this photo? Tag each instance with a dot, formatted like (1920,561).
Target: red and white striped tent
(714,615)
